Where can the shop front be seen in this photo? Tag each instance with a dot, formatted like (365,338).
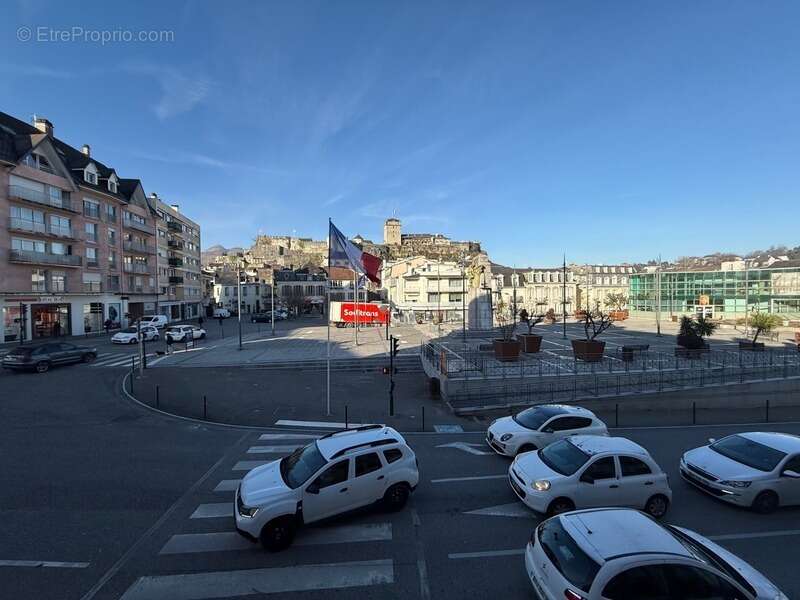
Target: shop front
(13,325)
(50,320)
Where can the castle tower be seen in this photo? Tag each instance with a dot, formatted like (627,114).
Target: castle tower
(391,232)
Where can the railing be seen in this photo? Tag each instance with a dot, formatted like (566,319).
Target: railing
(112,287)
(63,231)
(174,226)
(175,245)
(131,246)
(108,218)
(29,256)
(92,262)
(91,211)
(91,237)
(25,225)
(175,262)
(175,280)
(92,288)
(135,268)
(138,226)
(23,193)
(112,264)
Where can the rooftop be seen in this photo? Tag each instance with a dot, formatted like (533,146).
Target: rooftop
(596,444)
(341,440)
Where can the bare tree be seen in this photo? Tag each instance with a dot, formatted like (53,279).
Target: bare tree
(597,321)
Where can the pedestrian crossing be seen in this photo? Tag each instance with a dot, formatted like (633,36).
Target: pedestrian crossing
(207,541)
(117,359)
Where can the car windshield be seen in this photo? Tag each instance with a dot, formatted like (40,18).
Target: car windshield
(750,453)
(534,418)
(563,457)
(129,330)
(301,464)
(572,562)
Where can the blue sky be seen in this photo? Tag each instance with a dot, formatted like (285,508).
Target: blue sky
(611,131)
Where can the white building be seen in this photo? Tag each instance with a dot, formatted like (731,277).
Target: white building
(423,289)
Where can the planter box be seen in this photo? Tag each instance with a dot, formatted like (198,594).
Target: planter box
(588,350)
(752,346)
(531,343)
(618,315)
(690,352)
(506,351)
(691,342)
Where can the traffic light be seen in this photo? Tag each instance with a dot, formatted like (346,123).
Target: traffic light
(394,343)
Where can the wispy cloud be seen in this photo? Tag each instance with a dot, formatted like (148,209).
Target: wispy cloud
(36,71)
(180,92)
(203,160)
(333,200)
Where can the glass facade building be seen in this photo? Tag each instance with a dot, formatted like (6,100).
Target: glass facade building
(717,294)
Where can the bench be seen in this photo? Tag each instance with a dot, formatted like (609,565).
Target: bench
(682,352)
(628,351)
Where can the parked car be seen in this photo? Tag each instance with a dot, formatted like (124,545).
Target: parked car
(266,317)
(131,335)
(337,473)
(41,358)
(157,321)
(586,471)
(539,426)
(182,333)
(622,554)
(758,470)
(221,312)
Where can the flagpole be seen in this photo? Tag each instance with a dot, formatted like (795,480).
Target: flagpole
(355,299)
(328,310)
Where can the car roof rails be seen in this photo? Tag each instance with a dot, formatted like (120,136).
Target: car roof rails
(351,429)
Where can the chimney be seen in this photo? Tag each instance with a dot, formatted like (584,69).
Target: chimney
(43,125)
(175,207)
(86,150)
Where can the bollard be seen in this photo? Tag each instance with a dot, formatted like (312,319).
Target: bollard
(205,408)
(694,413)
(133,369)
(616,415)
(767,407)
(156,396)
(423,418)
(345,417)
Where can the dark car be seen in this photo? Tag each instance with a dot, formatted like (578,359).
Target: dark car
(260,318)
(41,358)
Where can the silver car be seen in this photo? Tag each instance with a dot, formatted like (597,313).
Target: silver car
(758,470)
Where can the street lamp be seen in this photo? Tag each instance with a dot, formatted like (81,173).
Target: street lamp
(239,301)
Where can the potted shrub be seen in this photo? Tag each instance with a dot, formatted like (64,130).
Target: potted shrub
(550,317)
(691,334)
(591,349)
(761,323)
(506,348)
(531,342)
(616,302)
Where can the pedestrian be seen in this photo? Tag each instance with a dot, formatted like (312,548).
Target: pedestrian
(57,329)
(200,321)
(168,340)
(107,324)
(220,321)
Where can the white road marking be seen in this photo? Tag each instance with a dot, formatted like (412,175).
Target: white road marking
(512,509)
(44,563)
(223,584)
(272,449)
(487,554)
(465,448)
(227,485)
(422,565)
(448,428)
(471,478)
(325,424)
(213,510)
(246,465)
(757,534)
(228,541)
(287,436)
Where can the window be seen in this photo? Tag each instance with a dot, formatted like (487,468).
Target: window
(111,213)
(27,245)
(334,475)
(112,186)
(693,583)
(27,219)
(392,454)
(58,282)
(91,232)
(60,225)
(572,562)
(38,281)
(633,466)
(91,209)
(90,176)
(91,282)
(793,464)
(91,257)
(602,468)
(567,423)
(58,248)
(637,583)
(367,463)
(112,237)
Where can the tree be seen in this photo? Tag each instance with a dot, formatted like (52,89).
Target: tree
(530,320)
(505,319)
(617,300)
(764,323)
(704,327)
(596,320)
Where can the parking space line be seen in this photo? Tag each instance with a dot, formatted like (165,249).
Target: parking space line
(754,535)
(325,424)
(472,478)
(227,485)
(287,436)
(272,449)
(213,510)
(247,465)
(487,554)
(44,564)
(222,584)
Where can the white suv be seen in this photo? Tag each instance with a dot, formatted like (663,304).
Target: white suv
(585,471)
(337,473)
(536,427)
(622,554)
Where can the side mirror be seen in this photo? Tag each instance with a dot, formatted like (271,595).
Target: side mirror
(712,440)
(313,488)
(586,478)
(548,430)
(791,473)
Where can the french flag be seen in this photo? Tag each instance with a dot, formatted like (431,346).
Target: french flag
(344,253)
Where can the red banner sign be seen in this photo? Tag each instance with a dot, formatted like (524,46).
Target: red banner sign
(367,313)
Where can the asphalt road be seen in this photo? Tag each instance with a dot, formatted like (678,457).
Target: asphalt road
(122,503)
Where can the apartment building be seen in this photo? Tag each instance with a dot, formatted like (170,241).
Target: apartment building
(421,289)
(550,289)
(179,278)
(596,282)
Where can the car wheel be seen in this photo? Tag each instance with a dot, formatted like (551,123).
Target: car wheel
(42,367)
(202,336)
(278,534)
(657,506)
(133,341)
(396,497)
(766,502)
(560,505)
(156,337)
(526,448)
(89,357)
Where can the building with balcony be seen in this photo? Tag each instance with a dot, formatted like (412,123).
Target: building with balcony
(74,238)
(180,283)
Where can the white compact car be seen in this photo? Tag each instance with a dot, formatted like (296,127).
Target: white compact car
(539,426)
(622,554)
(221,312)
(585,471)
(759,470)
(182,333)
(157,321)
(335,474)
(131,335)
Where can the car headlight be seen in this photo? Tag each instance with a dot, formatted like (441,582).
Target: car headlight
(736,484)
(505,437)
(541,485)
(248,511)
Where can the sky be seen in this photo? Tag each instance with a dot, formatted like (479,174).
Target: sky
(609,131)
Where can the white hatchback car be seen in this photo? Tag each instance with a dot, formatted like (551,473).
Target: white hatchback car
(157,321)
(586,471)
(539,426)
(182,333)
(759,470)
(622,554)
(337,473)
(131,335)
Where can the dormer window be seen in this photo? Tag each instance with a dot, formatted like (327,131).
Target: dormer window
(90,177)
(112,186)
